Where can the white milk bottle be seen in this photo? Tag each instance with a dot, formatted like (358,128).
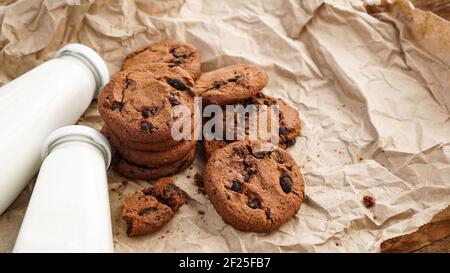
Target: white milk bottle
(53,94)
(69,209)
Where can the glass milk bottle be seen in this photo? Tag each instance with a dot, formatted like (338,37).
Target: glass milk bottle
(69,209)
(53,94)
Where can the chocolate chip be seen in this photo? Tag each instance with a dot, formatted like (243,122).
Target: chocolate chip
(267,102)
(116,105)
(286,184)
(147,211)
(218,84)
(146,126)
(144,113)
(234,79)
(238,151)
(173,101)
(246,177)
(283,131)
(269,214)
(177,84)
(259,154)
(289,142)
(176,54)
(149,191)
(236,185)
(255,203)
(178,61)
(171,65)
(280,116)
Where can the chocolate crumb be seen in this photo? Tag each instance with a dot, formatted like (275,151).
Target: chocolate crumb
(198,179)
(368,201)
(201,212)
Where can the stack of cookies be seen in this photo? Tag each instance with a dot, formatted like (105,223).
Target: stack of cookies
(242,85)
(253,184)
(137,109)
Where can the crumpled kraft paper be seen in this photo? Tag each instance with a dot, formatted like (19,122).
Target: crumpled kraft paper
(372,87)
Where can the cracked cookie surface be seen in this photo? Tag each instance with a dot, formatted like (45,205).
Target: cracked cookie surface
(254,185)
(174,53)
(230,84)
(137,103)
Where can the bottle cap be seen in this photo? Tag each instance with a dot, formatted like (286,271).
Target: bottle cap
(94,61)
(94,136)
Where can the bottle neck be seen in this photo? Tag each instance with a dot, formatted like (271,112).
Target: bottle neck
(88,64)
(80,139)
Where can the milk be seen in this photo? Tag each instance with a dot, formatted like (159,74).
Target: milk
(69,209)
(54,94)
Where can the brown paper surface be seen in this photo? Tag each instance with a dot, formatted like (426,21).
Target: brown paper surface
(372,88)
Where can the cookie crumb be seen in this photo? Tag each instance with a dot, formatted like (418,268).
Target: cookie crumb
(368,201)
(198,178)
(201,212)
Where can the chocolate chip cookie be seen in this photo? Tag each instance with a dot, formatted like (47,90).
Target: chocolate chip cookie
(137,103)
(175,53)
(134,171)
(254,185)
(149,210)
(230,84)
(171,155)
(289,123)
(144,214)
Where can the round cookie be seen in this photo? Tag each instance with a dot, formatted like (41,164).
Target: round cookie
(289,123)
(132,171)
(254,185)
(230,84)
(175,53)
(162,158)
(137,103)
